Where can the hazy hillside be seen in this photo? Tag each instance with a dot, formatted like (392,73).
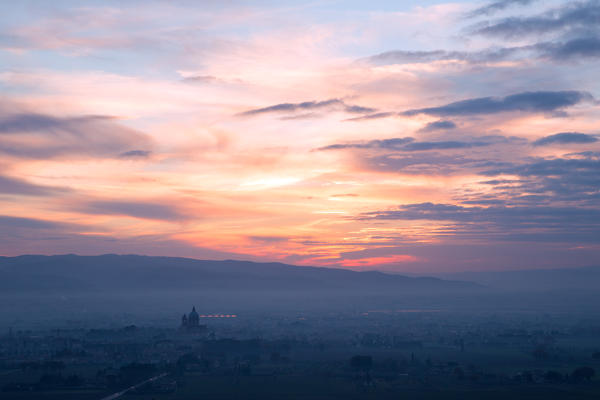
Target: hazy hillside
(86,287)
(71,273)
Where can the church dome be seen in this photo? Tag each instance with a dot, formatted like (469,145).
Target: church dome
(193,317)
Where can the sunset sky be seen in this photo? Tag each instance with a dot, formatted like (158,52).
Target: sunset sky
(404,136)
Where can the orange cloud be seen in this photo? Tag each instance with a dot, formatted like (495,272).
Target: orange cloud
(371,261)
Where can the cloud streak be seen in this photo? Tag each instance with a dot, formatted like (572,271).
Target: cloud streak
(135,209)
(9,223)
(408,144)
(438,126)
(559,51)
(309,106)
(533,102)
(482,56)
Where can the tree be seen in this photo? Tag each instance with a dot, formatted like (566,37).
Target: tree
(188,358)
(134,372)
(74,380)
(540,353)
(362,363)
(553,376)
(459,373)
(583,373)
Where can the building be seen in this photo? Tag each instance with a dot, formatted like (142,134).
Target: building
(191,322)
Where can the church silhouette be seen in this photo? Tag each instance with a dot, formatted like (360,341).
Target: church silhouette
(191,322)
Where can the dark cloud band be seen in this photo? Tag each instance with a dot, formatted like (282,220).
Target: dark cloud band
(576,15)
(38,136)
(566,138)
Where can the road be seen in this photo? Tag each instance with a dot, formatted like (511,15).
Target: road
(122,392)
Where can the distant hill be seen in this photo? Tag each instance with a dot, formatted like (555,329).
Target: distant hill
(134,273)
(34,289)
(572,279)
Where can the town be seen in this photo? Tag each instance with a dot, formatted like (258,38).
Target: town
(382,353)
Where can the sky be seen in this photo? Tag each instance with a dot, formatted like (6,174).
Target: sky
(410,137)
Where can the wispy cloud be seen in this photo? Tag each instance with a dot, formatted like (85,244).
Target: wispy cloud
(308,106)
(393,143)
(508,223)
(496,6)
(372,116)
(135,154)
(34,135)
(438,126)
(136,209)
(10,185)
(558,51)
(9,222)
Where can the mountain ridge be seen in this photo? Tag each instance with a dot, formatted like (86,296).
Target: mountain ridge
(132,271)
